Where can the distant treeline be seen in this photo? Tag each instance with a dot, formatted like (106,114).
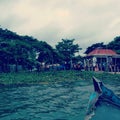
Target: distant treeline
(27,53)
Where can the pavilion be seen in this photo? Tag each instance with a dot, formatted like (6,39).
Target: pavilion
(102,60)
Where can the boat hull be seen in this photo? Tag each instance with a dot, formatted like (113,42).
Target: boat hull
(103,103)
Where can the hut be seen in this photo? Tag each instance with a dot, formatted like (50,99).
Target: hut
(102,60)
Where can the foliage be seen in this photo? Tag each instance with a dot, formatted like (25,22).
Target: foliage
(19,50)
(115,44)
(78,59)
(94,46)
(66,49)
(9,35)
(46,54)
(22,50)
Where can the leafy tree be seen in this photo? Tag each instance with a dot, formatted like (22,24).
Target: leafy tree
(7,34)
(67,49)
(46,53)
(115,44)
(21,50)
(94,46)
(78,59)
(17,50)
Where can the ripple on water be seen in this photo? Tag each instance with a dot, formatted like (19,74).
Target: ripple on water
(58,101)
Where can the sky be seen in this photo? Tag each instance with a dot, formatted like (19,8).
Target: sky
(86,21)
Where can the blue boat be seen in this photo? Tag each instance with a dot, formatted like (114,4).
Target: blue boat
(103,103)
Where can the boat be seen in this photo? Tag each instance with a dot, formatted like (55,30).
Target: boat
(103,100)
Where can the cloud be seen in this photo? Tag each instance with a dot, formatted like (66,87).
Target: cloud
(87,21)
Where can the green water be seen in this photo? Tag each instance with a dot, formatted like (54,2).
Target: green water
(106,112)
(56,101)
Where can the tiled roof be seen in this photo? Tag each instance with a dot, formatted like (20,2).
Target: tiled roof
(102,52)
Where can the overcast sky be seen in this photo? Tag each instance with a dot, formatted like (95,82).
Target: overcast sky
(87,21)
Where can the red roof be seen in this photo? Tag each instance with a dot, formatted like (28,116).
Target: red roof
(102,52)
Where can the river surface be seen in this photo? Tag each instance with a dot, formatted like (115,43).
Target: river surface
(47,101)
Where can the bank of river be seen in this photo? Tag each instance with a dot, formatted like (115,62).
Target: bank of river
(21,78)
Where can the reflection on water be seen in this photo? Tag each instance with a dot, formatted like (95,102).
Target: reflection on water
(57,101)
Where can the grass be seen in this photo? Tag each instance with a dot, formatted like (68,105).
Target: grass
(54,76)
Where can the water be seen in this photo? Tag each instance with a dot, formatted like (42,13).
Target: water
(57,101)
(106,112)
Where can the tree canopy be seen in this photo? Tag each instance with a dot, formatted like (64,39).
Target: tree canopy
(94,46)
(20,50)
(115,44)
(67,49)
(27,51)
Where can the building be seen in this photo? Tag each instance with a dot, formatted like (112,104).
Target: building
(102,60)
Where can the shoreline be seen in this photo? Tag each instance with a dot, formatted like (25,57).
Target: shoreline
(35,78)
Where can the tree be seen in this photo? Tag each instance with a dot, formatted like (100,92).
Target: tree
(17,50)
(46,55)
(66,50)
(94,46)
(115,44)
